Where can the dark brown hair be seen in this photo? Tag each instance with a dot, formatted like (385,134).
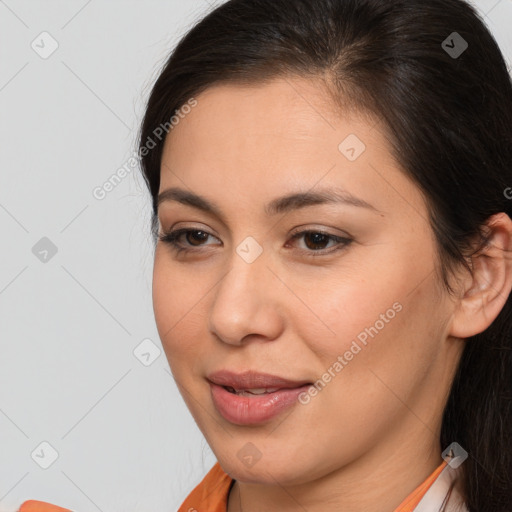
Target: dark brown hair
(448,119)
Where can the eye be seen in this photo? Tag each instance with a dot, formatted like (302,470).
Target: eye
(313,239)
(195,236)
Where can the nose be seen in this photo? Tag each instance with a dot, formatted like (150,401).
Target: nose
(247,302)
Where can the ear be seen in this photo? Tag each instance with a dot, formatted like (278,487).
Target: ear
(486,291)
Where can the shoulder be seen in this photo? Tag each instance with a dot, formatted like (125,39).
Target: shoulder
(40,506)
(211,494)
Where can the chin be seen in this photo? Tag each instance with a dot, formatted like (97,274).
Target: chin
(266,471)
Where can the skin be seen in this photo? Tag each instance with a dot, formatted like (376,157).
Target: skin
(292,314)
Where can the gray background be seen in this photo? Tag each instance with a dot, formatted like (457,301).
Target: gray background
(71,321)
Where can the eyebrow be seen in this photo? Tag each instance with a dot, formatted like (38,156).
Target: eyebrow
(282,204)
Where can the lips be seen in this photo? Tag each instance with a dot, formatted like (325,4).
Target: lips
(253,382)
(251,398)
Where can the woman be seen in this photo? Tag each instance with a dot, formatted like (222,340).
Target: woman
(330,182)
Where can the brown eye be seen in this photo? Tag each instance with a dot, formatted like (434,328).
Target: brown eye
(316,241)
(313,240)
(193,236)
(193,239)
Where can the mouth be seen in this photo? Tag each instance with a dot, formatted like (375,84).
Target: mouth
(256,383)
(253,398)
(251,392)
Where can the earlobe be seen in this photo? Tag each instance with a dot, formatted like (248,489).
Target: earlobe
(488,288)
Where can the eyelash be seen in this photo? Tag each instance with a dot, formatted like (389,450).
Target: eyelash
(171,238)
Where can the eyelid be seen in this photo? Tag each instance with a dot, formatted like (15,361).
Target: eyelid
(316,229)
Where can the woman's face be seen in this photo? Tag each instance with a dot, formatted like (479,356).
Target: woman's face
(362,315)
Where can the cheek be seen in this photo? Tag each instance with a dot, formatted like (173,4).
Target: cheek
(381,336)
(390,367)
(349,312)
(375,310)
(177,307)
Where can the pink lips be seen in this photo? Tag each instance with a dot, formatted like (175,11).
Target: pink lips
(253,408)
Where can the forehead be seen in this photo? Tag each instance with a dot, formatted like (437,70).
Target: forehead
(282,107)
(279,136)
